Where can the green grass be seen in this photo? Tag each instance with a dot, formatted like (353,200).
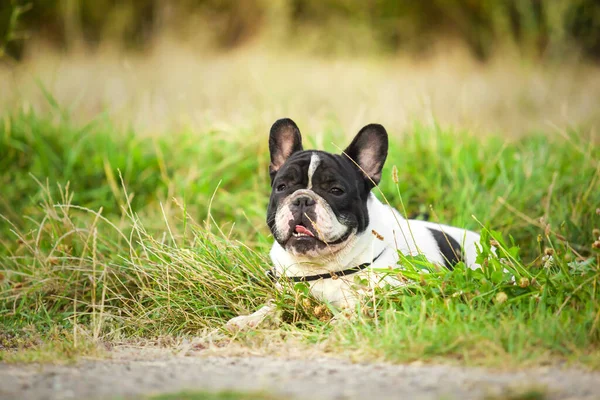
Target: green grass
(520,394)
(51,346)
(511,394)
(111,235)
(225,395)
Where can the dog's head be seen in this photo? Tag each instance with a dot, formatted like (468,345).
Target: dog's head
(319,200)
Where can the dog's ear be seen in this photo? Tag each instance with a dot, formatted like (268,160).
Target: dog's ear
(369,151)
(284,140)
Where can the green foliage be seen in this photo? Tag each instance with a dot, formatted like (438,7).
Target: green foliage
(508,308)
(10,14)
(536,27)
(113,234)
(225,395)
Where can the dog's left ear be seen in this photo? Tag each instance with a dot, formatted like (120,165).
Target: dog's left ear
(369,150)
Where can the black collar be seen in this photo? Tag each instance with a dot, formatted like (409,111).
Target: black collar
(327,275)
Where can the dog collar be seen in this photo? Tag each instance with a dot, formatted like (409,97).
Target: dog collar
(328,275)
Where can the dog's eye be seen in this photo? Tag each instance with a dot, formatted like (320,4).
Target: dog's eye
(281,187)
(336,191)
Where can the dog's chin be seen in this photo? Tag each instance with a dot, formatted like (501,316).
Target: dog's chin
(304,245)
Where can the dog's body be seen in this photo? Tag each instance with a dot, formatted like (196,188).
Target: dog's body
(378,245)
(329,227)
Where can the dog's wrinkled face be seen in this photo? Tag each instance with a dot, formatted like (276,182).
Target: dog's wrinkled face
(319,200)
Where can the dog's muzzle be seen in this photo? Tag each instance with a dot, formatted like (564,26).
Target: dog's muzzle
(306,223)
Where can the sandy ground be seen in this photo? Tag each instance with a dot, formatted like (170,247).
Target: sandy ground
(318,378)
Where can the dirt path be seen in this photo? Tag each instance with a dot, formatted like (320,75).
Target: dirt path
(319,378)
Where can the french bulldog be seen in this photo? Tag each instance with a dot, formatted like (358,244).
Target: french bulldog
(329,227)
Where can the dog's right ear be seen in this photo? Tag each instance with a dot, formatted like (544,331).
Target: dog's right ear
(284,140)
(368,151)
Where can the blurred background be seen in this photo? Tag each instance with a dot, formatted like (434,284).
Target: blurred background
(537,28)
(514,66)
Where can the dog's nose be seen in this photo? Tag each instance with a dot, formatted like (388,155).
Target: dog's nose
(304,201)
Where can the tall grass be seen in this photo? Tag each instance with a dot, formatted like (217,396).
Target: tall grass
(111,235)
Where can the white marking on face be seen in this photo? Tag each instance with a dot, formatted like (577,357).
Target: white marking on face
(315,160)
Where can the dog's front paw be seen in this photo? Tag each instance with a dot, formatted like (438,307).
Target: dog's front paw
(344,316)
(251,321)
(243,322)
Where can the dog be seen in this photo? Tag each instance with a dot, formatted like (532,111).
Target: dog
(329,227)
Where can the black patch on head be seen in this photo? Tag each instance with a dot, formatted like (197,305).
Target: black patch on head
(344,181)
(449,248)
(335,173)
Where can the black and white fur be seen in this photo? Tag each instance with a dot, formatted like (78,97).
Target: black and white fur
(325,219)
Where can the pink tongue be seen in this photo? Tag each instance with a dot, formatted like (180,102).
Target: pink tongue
(302,229)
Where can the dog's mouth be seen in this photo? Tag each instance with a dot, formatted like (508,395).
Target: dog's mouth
(300,231)
(306,234)
(303,233)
